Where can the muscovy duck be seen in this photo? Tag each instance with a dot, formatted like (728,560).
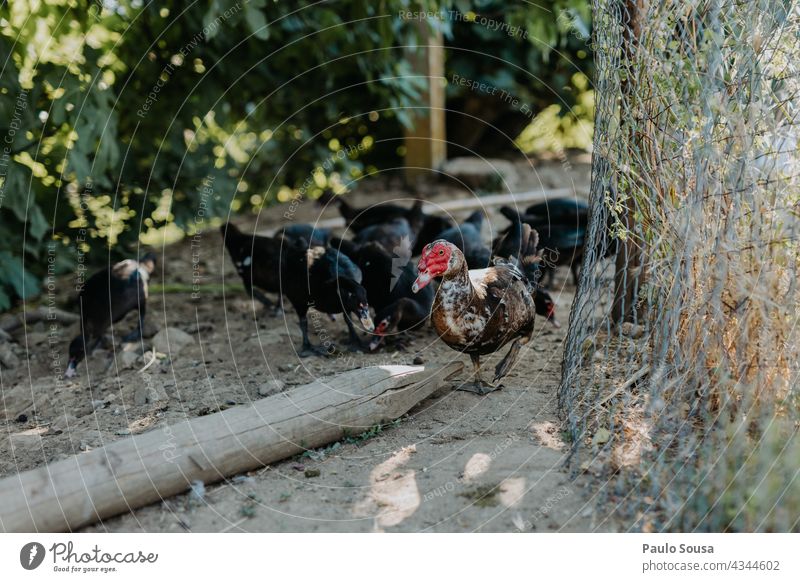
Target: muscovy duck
(388,280)
(327,280)
(358,219)
(510,245)
(257,260)
(560,244)
(315,234)
(405,314)
(395,236)
(479,311)
(429,231)
(107,297)
(568,211)
(467,238)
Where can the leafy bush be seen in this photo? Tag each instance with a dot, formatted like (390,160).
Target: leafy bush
(121,121)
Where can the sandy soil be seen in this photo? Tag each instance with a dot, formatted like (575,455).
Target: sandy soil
(458,462)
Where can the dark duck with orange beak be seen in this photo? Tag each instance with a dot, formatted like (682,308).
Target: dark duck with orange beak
(107,297)
(467,237)
(405,314)
(327,280)
(479,311)
(388,279)
(509,246)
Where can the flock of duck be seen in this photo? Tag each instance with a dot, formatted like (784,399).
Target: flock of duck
(486,297)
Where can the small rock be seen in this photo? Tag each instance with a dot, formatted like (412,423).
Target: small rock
(151,328)
(601,436)
(140,395)
(123,432)
(37,338)
(171,340)
(309,473)
(98,404)
(298,467)
(271,387)
(246,306)
(149,393)
(201,327)
(65,422)
(632,330)
(127,360)
(135,347)
(7,356)
(418,360)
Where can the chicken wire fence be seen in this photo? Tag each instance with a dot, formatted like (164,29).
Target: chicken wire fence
(679,384)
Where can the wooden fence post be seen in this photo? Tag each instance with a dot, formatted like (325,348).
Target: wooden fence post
(426,145)
(629,260)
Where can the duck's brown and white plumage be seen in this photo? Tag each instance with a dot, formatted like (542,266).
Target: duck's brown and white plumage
(479,311)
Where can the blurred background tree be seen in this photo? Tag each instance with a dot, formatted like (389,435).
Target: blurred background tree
(123,119)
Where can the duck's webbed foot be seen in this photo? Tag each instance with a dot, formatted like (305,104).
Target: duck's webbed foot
(478,385)
(308,348)
(354,343)
(312,350)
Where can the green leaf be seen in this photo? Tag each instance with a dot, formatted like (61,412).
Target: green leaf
(37,224)
(13,275)
(256,22)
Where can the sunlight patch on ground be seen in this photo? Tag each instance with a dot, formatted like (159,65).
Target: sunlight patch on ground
(477,465)
(394,495)
(512,490)
(547,433)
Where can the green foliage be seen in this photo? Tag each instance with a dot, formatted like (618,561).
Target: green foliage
(121,118)
(529,56)
(121,122)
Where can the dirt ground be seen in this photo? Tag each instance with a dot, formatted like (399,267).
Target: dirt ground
(457,462)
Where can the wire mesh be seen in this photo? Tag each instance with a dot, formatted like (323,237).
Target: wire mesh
(679,383)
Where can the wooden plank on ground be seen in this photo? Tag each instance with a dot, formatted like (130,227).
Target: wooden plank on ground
(146,468)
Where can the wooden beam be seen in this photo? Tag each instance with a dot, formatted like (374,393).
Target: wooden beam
(464,204)
(425,141)
(146,468)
